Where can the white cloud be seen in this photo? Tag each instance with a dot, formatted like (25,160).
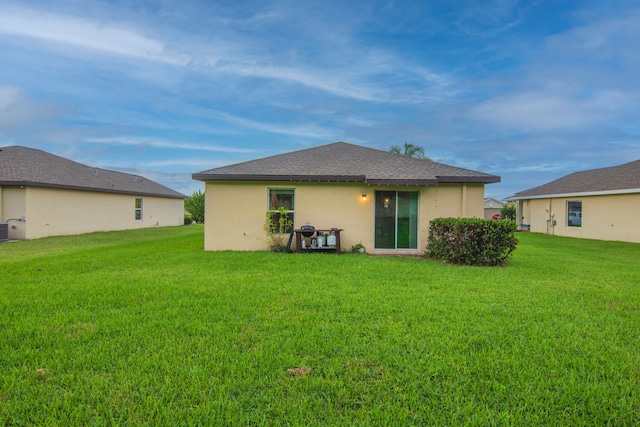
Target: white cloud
(8,96)
(18,110)
(547,110)
(85,33)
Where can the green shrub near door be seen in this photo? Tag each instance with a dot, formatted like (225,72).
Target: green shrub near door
(471,241)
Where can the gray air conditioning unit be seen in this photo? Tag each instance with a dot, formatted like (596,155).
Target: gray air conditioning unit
(4,232)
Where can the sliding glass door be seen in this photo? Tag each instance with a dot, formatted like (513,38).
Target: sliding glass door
(396,220)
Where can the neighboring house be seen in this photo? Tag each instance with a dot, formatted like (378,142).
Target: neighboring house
(492,207)
(382,200)
(598,204)
(46,195)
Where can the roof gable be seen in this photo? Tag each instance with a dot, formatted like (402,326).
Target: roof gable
(612,179)
(344,162)
(31,167)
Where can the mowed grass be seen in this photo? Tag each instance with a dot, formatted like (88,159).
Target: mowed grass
(146,328)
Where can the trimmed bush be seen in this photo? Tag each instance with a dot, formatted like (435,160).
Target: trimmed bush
(471,241)
(188,219)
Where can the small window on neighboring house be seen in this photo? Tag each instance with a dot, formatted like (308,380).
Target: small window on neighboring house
(574,214)
(282,198)
(138,208)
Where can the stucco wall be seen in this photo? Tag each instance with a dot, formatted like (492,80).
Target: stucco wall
(235,211)
(54,212)
(612,217)
(14,206)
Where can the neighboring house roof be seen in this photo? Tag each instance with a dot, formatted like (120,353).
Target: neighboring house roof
(37,168)
(613,180)
(491,203)
(344,162)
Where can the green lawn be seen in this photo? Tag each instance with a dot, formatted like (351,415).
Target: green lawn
(145,328)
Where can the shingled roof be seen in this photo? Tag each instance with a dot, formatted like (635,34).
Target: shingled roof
(344,162)
(616,179)
(37,168)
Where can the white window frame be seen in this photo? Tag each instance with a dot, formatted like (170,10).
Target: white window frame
(291,211)
(138,210)
(573,211)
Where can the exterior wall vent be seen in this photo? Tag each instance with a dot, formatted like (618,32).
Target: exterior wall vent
(4,232)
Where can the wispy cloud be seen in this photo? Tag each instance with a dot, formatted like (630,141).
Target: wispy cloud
(85,33)
(355,78)
(485,18)
(159,143)
(196,163)
(307,131)
(614,36)
(317,80)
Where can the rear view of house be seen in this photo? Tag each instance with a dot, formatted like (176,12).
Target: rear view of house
(381,200)
(42,195)
(598,204)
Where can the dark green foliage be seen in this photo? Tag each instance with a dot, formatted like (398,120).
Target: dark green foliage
(357,248)
(188,219)
(508,211)
(471,241)
(195,206)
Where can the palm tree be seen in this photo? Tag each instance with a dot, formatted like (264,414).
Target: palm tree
(410,150)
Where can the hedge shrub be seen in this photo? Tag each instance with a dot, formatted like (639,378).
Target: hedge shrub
(471,241)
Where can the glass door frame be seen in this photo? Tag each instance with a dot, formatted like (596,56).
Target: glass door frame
(380,199)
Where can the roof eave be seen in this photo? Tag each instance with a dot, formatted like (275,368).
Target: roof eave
(346,178)
(402,181)
(489,179)
(575,194)
(97,190)
(245,177)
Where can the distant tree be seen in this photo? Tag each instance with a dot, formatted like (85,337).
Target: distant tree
(195,206)
(508,211)
(410,150)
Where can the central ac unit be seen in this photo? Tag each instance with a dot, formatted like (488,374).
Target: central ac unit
(4,232)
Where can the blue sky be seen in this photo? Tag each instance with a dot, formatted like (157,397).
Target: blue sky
(528,90)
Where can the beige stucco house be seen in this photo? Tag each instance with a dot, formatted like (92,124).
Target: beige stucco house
(42,195)
(381,200)
(600,204)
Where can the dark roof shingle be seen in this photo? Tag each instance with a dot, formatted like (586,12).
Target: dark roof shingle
(31,167)
(611,179)
(344,162)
